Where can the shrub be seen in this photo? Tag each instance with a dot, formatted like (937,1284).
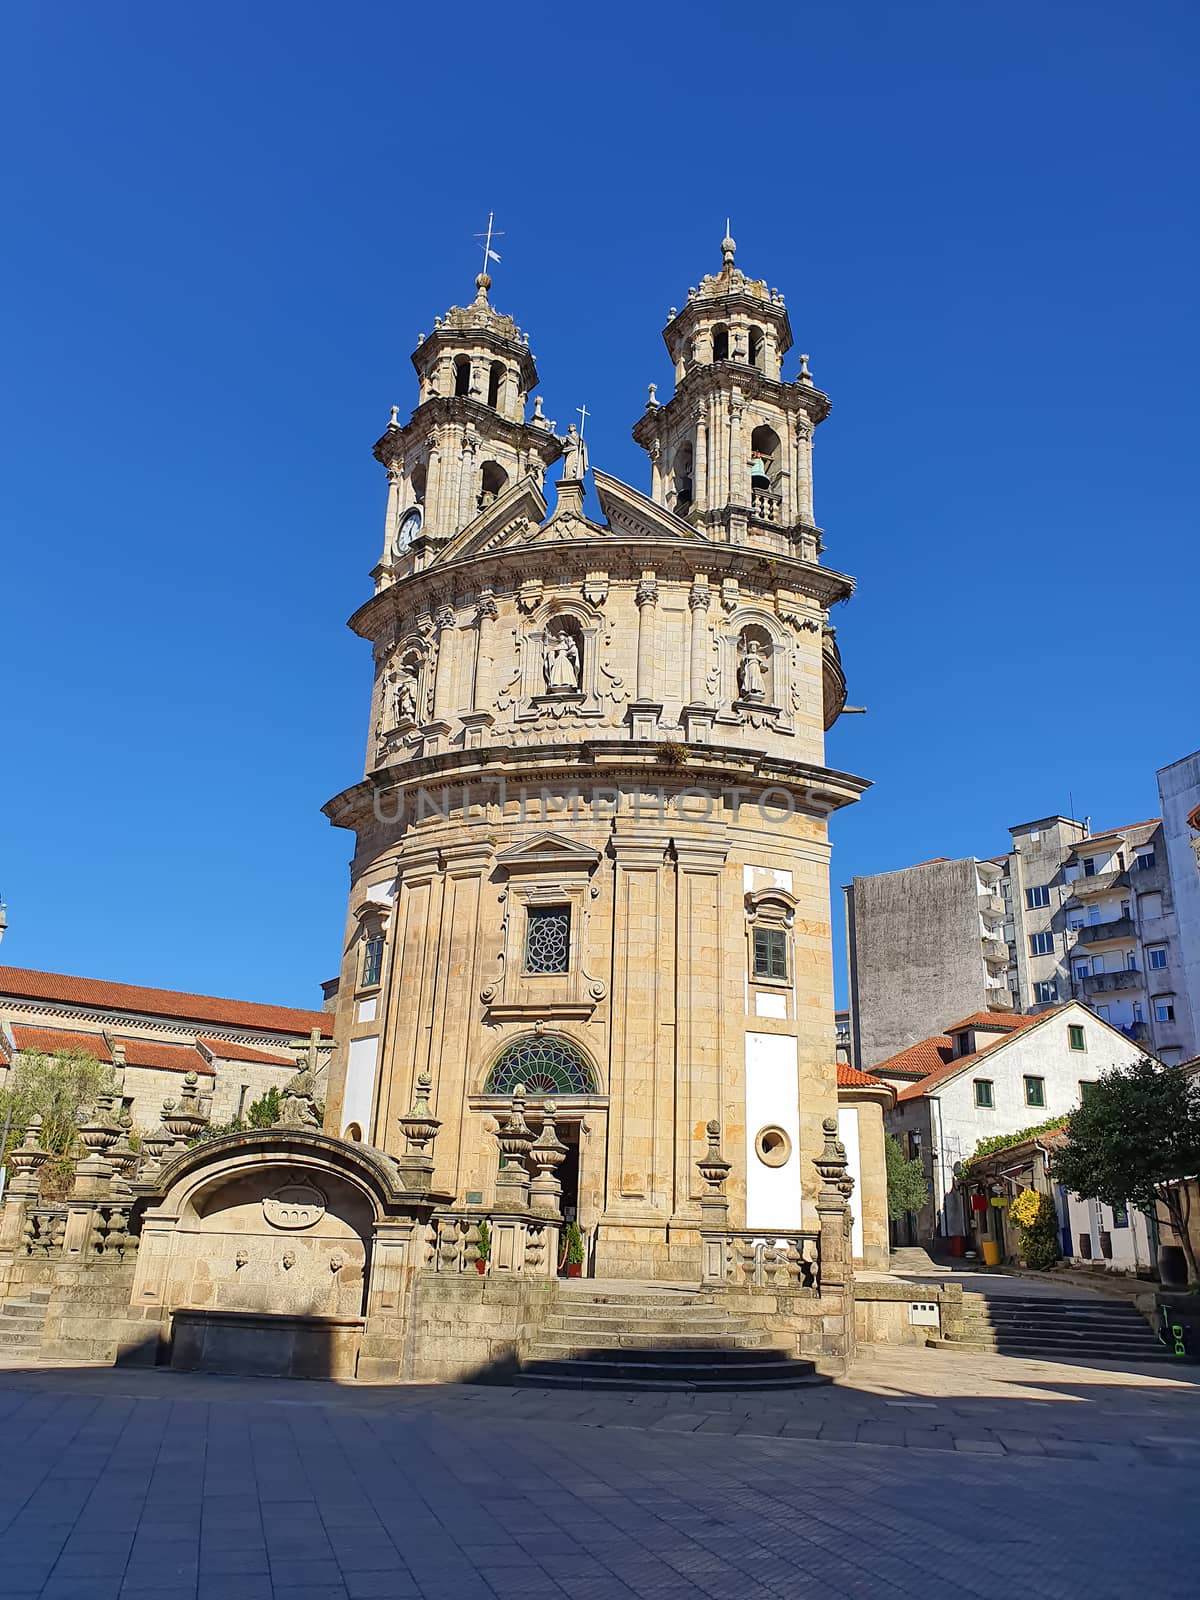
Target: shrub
(1037,1229)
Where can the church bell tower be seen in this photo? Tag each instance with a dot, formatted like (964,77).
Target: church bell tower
(468,442)
(731,451)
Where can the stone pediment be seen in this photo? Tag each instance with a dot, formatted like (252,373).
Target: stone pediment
(553,851)
(632,515)
(507,520)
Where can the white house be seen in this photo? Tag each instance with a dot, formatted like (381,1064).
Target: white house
(996,1074)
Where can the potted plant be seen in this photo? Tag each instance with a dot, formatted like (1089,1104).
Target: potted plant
(484,1248)
(571,1253)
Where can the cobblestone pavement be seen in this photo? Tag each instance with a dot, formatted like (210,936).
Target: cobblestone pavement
(926,1473)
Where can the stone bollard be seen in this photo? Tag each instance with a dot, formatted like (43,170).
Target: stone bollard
(836,1265)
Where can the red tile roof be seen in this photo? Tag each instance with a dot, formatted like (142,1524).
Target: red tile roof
(138,1052)
(1001,1021)
(27,984)
(852,1078)
(913,1091)
(166,1057)
(224,1050)
(45,1041)
(920,1059)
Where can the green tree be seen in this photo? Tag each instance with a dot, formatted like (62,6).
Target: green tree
(1135,1139)
(60,1088)
(907,1186)
(260,1113)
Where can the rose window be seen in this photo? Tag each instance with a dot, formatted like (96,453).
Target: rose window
(545,1065)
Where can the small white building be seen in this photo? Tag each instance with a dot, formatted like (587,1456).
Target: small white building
(996,1074)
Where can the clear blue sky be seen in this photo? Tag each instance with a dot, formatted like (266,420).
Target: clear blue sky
(225,227)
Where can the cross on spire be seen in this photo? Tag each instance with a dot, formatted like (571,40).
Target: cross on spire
(492,233)
(584,414)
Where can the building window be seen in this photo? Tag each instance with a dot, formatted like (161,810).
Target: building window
(1144,861)
(1075,920)
(1137,1011)
(1075,1037)
(1102,1011)
(770,954)
(1164,1008)
(1045,993)
(984,1097)
(1086,1086)
(548,939)
(1035,1091)
(1149,906)
(1041,944)
(1039,895)
(545,1065)
(1081,970)
(1089,866)
(1156,957)
(372,962)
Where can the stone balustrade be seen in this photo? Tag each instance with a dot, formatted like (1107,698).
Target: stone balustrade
(521,1243)
(771,1260)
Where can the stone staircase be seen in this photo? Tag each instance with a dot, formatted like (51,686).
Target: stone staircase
(655,1337)
(1050,1328)
(21,1324)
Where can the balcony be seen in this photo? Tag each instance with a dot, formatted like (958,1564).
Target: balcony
(991,906)
(766,507)
(1118,930)
(1103,883)
(1110,982)
(1136,1030)
(995,952)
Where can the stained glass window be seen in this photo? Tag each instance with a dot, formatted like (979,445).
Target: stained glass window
(548,939)
(545,1065)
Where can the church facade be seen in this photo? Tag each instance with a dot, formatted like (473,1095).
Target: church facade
(591,860)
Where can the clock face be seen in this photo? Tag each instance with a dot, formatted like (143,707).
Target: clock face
(410,527)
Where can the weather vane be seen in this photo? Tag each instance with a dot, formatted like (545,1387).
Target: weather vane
(492,233)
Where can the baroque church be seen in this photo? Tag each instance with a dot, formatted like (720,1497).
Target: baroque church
(584,1020)
(592,856)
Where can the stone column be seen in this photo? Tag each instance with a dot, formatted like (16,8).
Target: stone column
(414,982)
(804,484)
(639,1187)
(701,1019)
(646,709)
(433,484)
(467,489)
(700,460)
(698,715)
(438,729)
(392,514)
(739,465)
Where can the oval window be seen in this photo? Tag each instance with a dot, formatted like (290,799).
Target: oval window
(773,1147)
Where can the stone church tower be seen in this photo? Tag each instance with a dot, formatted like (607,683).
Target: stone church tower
(592,851)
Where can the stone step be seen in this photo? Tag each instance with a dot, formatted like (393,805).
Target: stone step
(551,1341)
(24,1310)
(677,1377)
(574,1322)
(20,1341)
(658,1302)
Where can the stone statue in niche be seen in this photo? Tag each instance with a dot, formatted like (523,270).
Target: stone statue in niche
(560,663)
(404,699)
(752,680)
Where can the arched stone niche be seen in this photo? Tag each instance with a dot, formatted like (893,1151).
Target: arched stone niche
(560,661)
(264,1234)
(756,670)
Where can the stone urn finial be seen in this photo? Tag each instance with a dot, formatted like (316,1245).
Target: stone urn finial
(514,1136)
(547,1153)
(27,1161)
(712,1166)
(420,1126)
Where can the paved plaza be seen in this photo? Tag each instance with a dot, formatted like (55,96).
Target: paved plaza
(926,1473)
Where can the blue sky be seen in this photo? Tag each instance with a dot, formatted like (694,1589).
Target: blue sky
(225,228)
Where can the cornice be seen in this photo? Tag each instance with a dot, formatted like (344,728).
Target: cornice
(600,762)
(440,409)
(504,569)
(705,379)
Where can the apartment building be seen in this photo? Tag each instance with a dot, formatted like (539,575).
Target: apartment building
(1179,797)
(1111,919)
(926,944)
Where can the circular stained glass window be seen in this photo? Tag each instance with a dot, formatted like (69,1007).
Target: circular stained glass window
(545,1065)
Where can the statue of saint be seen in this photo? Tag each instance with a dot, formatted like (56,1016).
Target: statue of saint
(404,700)
(560,663)
(752,680)
(575,459)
